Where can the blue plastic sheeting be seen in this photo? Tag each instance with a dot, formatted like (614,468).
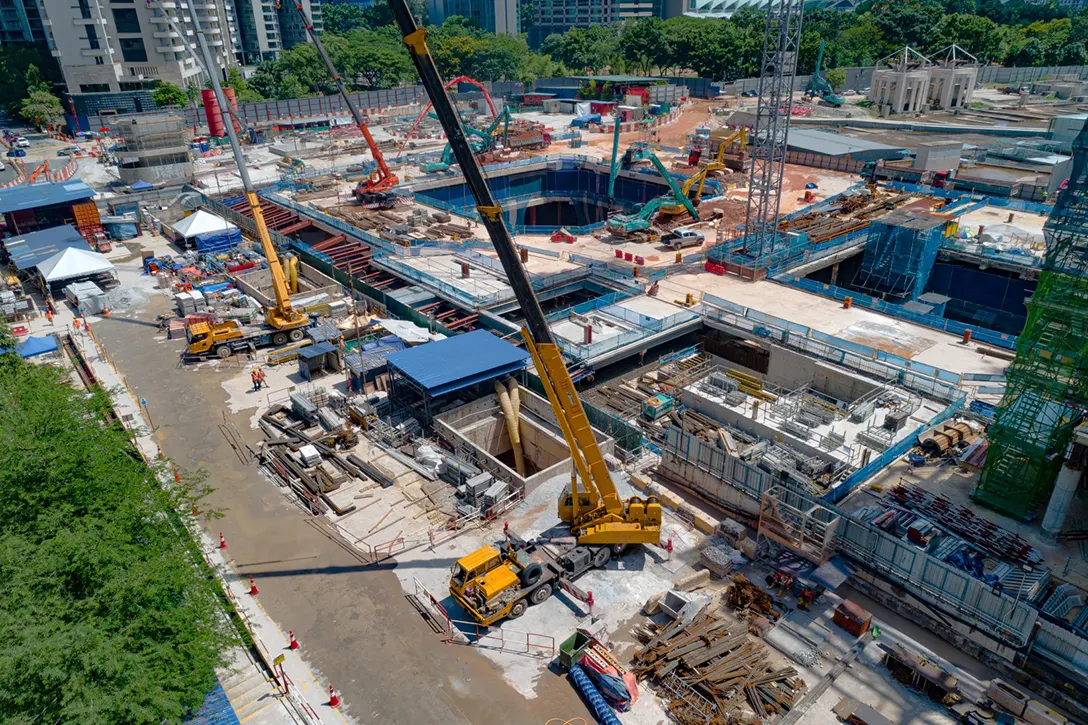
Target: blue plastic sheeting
(457,362)
(29,250)
(34,346)
(218,241)
(592,696)
(213,288)
(141,185)
(216,710)
(33,196)
(120,232)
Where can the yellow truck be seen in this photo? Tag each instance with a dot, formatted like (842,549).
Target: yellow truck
(224,339)
(495,583)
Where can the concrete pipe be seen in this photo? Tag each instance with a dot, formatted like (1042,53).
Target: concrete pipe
(512,427)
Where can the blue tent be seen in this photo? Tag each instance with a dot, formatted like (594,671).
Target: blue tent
(207,232)
(34,346)
(141,185)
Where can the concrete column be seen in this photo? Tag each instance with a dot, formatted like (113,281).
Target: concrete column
(835,273)
(1062,496)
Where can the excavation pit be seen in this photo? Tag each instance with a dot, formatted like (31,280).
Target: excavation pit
(480,433)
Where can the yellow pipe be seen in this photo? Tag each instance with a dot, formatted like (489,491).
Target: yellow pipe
(294,274)
(511,427)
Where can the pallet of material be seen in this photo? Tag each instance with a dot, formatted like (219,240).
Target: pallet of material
(708,671)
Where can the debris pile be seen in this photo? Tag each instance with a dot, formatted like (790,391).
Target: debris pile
(710,673)
(746,598)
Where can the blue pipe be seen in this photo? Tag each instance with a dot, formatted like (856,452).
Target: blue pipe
(592,697)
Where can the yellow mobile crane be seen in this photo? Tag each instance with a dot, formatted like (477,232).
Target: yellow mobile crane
(492,583)
(282,321)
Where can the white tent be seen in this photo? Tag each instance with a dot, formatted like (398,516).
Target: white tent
(202,222)
(74,262)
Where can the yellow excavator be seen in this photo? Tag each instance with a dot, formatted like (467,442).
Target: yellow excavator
(698,179)
(282,322)
(493,583)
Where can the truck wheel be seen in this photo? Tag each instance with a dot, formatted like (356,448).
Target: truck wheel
(531,574)
(618,549)
(541,594)
(602,557)
(224,351)
(280,338)
(518,609)
(296,335)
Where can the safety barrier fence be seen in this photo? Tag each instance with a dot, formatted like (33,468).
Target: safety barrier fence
(877,364)
(590,305)
(1000,201)
(1009,257)
(990,337)
(501,638)
(652,327)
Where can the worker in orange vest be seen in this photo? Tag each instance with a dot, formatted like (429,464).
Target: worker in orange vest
(260,378)
(49,316)
(254,377)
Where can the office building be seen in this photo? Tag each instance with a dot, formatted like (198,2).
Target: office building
(559,16)
(494,16)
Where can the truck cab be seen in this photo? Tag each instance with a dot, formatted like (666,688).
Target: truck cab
(207,339)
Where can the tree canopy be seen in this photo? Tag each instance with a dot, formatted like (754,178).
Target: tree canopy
(107,612)
(167,94)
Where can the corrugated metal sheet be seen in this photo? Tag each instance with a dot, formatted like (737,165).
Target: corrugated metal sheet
(28,250)
(446,365)
(834,144)
(31,196)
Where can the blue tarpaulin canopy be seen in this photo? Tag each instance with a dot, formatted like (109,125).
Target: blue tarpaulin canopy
(34,346)
(141,185)
(207,232)
(457,362)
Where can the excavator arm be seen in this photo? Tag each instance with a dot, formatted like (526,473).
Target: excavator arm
(676,190)
(596,515)
(739,137)
(386,179)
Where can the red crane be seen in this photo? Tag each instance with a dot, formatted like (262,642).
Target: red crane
(379,187)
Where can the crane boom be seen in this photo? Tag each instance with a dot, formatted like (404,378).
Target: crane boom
(283,316)
(386,179)
(596,515)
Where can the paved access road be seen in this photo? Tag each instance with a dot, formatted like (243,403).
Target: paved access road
(358,631)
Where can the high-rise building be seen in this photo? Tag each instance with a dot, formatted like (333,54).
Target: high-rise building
(494,16)
(21,23)
(113,52)
(267,27)
(559,16)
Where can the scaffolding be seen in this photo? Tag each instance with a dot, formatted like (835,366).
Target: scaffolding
(899,254)
(1047,382)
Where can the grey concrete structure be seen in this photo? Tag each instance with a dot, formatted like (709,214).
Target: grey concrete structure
(21,23)
(154,149)
(938,156)
(909,82)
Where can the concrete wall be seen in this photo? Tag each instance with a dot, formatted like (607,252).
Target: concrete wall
(481,427)
(790,370)
(257,284)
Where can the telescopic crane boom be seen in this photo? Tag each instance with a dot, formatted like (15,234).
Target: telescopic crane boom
(283,316)
(596,514)
(379,186)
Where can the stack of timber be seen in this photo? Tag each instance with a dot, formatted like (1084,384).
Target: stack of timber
(746,598)
(710,674)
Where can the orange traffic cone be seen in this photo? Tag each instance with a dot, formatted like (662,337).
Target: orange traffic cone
(293,641)
(334,699)
(253,587)
(222,541)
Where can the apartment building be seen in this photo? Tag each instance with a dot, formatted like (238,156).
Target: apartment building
(267,27)
(21,23)
(558,16)
(494,16)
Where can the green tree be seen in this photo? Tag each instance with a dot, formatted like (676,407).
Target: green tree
(107,612)
(41,108)
(643,43)
(242,92)
(376,58)
(979,36)
(167,94)
(908,22)
(835,77)
(15,62)
(35,81)
(339,18)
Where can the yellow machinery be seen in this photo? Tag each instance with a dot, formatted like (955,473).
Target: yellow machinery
(698,179)
(592,508)
(284,321)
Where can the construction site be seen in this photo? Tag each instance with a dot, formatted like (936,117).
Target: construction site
(635,412)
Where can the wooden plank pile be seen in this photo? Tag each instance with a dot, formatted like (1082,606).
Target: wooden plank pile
(709,672)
